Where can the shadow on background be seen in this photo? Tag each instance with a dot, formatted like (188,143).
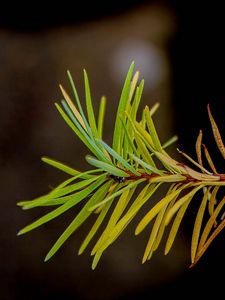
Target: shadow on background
(178,50)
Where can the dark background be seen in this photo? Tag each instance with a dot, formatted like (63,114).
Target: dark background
(37,45)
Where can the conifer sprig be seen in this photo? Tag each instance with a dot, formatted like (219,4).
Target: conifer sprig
(128,174)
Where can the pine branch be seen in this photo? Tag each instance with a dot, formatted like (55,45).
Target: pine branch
(132,161)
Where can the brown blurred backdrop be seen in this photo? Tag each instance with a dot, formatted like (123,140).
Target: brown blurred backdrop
(178,52)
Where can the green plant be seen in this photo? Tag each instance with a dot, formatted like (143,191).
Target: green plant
(137,159)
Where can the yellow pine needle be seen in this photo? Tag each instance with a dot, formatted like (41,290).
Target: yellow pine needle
(96,260)
(154,109)
(212,200)
(209,183)
(175,226)
(133,85)
(209,159)
(198,225)
(144,134)
(72,107)
(180,202)
(162,226)
(194,162)
(210,223)
(144,151)
(154,233)
(152,129)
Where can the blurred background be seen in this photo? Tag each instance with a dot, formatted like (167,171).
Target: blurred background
(178,48)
